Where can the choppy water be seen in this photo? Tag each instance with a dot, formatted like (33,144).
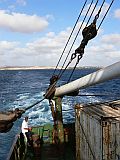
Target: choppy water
(19,89)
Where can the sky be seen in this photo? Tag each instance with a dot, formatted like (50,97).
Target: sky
(35,32)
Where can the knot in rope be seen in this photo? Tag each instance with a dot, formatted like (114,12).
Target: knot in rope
(73,56)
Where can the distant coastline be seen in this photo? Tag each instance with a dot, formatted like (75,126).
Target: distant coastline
(41,67)
(26,68)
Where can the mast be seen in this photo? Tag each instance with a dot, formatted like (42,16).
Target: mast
(102,75)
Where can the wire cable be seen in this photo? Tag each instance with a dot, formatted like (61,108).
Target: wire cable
(95,19)
(34,104)
(70,36)
(92,12)
(105,14)
(61,72)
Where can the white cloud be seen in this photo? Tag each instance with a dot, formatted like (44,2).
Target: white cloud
(7,47)
(117,13)
(103,51)
(23,23)
(45,51)
(113,39)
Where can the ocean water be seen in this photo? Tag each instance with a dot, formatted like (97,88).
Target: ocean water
(21,88)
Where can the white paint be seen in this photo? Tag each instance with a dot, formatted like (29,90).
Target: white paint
(102,75)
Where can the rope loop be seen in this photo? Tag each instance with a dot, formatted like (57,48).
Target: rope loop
(73,56)
(79,57)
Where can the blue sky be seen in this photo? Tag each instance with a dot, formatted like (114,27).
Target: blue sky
(34,32)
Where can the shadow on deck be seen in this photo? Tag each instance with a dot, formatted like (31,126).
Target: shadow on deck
(44,147)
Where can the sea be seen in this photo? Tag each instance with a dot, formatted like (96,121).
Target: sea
(22,88)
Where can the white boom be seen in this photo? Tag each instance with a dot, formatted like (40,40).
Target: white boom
(102,75)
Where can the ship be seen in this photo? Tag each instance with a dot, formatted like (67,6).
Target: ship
(95,134)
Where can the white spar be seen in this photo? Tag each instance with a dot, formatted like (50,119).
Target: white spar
(102,75)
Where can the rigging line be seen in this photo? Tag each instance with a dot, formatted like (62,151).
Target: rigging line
(60,74)
(78,33)
(34,104)
(79,57)
(105,14)
(72,72)
(86,26)
(70,36)
(92,12)
(95,19)
(94,9)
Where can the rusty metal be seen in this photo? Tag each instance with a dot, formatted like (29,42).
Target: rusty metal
(56,109)
(98,128)
(59,118)
(50,91)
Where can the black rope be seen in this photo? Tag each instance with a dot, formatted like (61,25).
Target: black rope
(92,12)
(72,72)
(105,14)
(61,72)
(97,16)
(70,36)
(94,21)
(34,104)
(79,57)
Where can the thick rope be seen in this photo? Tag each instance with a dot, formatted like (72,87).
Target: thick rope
(105,14)
(94,21)
(34,104)
(70,36)
(61,72)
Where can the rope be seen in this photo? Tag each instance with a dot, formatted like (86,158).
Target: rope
(94,21)
(70,36)
(60,74)
(34,104)
(92,12)
(84,39)
(79,57)
(105,14)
